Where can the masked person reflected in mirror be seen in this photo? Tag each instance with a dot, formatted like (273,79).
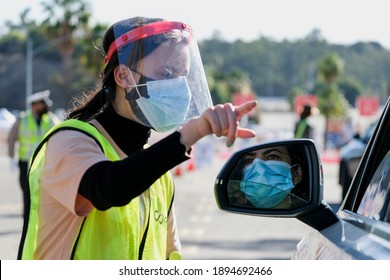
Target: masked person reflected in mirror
(26,133)
(270,178)
(101,191)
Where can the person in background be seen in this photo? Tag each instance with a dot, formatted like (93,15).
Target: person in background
(27,131)
(302,128)
(101,190)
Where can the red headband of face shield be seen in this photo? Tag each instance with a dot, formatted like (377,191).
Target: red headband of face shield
(143,32)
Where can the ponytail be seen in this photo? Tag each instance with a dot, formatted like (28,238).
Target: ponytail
(88,106)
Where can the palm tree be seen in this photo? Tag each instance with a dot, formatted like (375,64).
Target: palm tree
(66,19)
(331,67)
(331,102)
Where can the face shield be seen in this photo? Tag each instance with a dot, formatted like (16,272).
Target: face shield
(167,82)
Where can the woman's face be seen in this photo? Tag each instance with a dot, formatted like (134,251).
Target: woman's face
(165,62)
(279,153)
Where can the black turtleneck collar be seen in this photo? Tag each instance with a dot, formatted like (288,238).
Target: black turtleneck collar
(130,136)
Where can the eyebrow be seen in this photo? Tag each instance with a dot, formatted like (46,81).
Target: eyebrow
(266,152)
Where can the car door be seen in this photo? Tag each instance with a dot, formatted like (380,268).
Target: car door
(363,231)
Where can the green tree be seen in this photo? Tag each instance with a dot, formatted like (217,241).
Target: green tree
(90,49)
(351,89)
(331,102)
(68,20)
(293,93)
(223,85)
(331,67)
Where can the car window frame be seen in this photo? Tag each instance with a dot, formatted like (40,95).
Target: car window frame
(370,208)
(373,155)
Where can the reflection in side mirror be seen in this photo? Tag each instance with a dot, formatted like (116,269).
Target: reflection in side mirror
(281,177)
(270,177)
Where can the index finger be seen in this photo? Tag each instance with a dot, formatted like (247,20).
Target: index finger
(245,108)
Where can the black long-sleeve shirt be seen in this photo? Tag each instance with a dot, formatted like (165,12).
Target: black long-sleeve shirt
(106,183)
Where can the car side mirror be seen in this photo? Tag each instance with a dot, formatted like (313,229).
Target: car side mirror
(278,179)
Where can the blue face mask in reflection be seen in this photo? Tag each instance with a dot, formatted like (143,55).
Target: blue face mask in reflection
(266,183)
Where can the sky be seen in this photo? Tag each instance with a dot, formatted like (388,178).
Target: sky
(340,21)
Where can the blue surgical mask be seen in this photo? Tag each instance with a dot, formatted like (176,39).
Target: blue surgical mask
(167,103)
(266,183)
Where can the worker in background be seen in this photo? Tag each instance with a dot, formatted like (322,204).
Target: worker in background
(303,129)
(27,132)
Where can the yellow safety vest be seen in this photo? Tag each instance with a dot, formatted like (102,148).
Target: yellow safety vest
(300,132)
(30,134)
(117,233)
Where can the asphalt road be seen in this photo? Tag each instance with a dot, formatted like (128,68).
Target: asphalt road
(206,232)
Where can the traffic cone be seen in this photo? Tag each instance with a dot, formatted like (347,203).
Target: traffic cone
(191,166)
(178,171)
(331,156)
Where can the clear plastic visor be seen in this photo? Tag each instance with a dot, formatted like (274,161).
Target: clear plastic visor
(162,51)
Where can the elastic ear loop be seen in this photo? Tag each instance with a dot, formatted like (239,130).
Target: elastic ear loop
(135,84)
(293,166)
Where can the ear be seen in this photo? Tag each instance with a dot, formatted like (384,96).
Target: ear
(122,76)
(297,173)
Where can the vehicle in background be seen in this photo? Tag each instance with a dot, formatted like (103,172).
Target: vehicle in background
(6,121)
(350,156)
(359,229)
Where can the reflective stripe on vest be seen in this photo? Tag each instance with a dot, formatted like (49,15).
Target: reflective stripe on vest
(301,129)
(116,233)
(30,134)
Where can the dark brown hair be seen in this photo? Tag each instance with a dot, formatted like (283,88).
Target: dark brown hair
(306,112)
(90,104)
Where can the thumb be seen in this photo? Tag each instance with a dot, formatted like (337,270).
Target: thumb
(245,133)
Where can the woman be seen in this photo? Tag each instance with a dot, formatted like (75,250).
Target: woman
(270,178)
(97,190)
(302,127)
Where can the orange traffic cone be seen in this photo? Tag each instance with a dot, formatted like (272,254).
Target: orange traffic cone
(178,171)
(191,166)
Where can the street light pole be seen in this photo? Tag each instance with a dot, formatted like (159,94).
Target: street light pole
(31,53)
(29,69)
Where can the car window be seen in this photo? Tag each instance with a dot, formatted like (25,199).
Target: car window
(367,135)
(377,195)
